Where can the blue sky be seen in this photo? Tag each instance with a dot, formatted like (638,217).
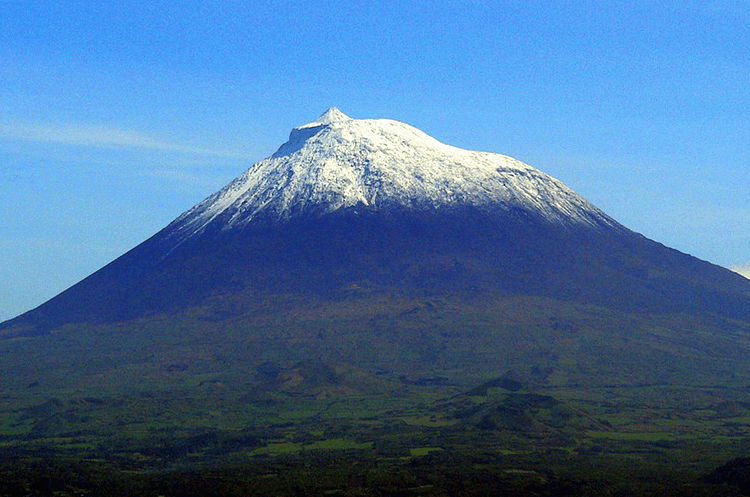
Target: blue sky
(115,117)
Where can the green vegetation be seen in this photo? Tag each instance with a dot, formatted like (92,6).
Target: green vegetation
(384,395)
(520,441)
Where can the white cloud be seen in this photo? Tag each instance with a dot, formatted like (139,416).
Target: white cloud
(99,137)
(743,269)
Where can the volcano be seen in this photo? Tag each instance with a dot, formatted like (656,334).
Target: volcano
(369,241)
(372,312)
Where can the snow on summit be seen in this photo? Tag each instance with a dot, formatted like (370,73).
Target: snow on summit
(336,162)
(330,116)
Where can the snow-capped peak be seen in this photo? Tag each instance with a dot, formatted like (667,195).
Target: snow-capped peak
(337,163)
(330,116)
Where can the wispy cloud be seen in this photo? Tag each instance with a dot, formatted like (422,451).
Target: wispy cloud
(192,178)
(743,269)
(100,137)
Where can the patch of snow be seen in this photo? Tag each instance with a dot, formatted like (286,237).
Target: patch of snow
(337,162)
(743,270)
